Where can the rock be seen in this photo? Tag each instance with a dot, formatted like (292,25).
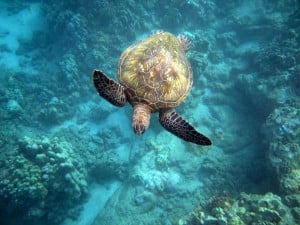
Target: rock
(296,213)
(269,214)
(14,108)
(292,200)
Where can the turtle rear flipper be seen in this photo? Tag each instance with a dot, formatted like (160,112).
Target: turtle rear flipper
(109,89)
(175,124)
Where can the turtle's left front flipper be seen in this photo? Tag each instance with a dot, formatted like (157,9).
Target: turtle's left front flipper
(109,89)
(174,123)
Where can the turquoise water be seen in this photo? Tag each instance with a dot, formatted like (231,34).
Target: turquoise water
(69,157)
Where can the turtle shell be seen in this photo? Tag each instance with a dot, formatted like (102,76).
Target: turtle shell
(156,72)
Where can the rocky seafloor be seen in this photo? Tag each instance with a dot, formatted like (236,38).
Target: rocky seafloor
(68,157)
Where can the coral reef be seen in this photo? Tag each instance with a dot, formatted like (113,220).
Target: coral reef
(282,130)
(246,209)
(108,166)
(54,112)
(156,180)
(42,171)
(57,137)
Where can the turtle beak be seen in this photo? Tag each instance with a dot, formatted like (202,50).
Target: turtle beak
(139,129)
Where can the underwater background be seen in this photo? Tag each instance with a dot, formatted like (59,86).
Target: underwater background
(69,157)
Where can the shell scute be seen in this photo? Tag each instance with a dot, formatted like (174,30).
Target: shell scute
(156,70)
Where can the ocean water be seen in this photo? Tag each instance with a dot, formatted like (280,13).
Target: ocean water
(69,157)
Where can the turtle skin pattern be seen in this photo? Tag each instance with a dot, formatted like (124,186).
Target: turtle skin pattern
(175,124)
(109,89)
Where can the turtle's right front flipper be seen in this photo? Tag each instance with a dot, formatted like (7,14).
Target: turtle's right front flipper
(175,124)
(109,89)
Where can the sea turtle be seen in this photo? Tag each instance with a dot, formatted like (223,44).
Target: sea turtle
(154,76)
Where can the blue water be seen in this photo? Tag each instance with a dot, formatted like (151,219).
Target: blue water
(68,157)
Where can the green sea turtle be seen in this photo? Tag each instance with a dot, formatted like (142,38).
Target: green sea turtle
(154,76)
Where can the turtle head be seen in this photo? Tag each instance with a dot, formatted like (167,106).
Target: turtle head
(141,118)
